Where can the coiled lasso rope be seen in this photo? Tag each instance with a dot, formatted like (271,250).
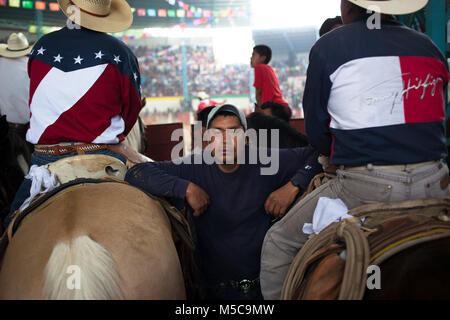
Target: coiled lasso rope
(356,262)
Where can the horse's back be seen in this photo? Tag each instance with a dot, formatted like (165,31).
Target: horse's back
(417,273)
(132,227)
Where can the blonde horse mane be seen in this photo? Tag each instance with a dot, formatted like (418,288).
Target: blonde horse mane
(98,277)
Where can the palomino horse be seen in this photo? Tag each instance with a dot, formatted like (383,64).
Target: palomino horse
(93,241)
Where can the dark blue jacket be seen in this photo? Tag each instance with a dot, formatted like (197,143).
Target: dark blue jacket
(231,231)
(376,96)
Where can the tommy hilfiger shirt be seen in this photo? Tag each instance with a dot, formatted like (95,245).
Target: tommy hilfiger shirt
(376,96)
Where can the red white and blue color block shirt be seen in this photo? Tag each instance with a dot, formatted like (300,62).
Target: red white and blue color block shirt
(84,87)
(376,96)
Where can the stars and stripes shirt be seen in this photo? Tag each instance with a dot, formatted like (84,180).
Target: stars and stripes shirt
(376,96)
(84,87)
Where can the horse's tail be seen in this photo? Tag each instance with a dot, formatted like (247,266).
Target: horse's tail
(81,269)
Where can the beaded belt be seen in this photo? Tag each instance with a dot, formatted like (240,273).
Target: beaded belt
(59,150)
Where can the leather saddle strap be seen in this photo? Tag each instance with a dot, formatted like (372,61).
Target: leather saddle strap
(68,149)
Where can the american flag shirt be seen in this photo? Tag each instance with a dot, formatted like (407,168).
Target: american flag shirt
(84,87)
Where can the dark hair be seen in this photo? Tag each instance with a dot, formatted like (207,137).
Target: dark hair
(362,11)
(265,51)
(277,110)
(289,136)
(329,24)
(203,115)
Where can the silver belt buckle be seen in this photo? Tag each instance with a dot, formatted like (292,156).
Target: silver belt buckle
(245,285)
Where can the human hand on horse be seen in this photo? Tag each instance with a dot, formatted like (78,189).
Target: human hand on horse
(280,200)
(197,198)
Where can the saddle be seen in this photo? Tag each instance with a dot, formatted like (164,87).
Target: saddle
(132,156)
(92,166)
(181,229)
(333,264)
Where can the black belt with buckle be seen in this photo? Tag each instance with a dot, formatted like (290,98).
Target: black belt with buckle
(19,127)
(242,285)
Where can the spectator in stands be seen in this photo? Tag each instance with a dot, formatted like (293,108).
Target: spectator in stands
(374,102)
(266,81)
(162,72)
(330,24)
(276,110)
(84,92)
(231,203)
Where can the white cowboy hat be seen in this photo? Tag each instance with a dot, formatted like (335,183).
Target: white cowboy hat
(99,15)
(16,47)
(202,95)
(391,6)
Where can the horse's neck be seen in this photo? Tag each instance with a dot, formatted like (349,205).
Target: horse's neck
(133,139)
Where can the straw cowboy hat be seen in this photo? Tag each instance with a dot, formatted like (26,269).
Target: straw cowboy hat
(202,95)
(99,15)
(16,47)
(391,6)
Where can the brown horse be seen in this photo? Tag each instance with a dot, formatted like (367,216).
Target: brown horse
(94,241)
(417,273)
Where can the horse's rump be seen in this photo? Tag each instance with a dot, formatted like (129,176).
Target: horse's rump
(334,263)
(132,228)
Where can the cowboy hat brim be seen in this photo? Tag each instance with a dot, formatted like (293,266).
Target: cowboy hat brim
(119,19)
(396,7)
(4,52)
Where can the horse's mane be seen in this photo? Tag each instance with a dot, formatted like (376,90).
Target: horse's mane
(289,136)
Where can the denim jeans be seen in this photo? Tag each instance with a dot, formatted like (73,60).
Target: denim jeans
(41,159)
(355,188)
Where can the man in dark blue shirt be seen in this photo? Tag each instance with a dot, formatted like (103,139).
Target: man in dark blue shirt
(232,201)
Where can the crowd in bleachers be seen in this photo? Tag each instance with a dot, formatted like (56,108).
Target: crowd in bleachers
(162,74)
(292,81)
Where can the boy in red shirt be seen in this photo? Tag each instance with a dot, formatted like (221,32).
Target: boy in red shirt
(266,81)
